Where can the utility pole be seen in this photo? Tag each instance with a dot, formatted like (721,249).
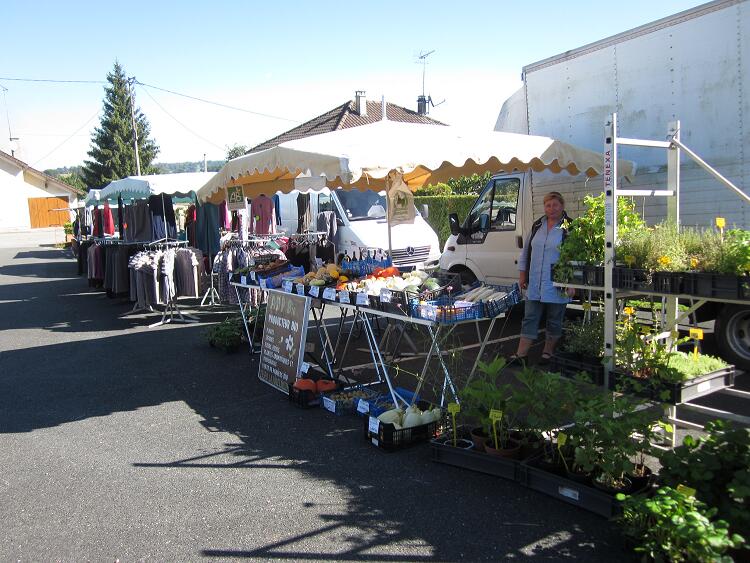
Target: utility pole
(131,83)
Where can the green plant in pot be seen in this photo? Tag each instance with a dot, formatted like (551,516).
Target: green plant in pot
(545,402)
(483,394)
(716,466)
(227,335)
(584,338)
(672,525)
(584,243)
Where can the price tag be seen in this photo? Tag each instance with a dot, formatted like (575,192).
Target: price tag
(454,408)
(252,276)
(687,491)
(496,415)
(263,283)
(243,280)
(314,291)
(373,425)
(329,404)
(344,297)
(363,299)
(385,295)
(329,293)
(300,289)
(721,222)
(363,406)
(304,367)
(286,285)
(562,437)
(229,277)
(696,333)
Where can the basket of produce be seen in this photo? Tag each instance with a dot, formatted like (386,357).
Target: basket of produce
(398,428)
(345,401)
(447,310)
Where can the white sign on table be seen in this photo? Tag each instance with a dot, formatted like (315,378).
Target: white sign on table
(385,295)
(329,293)
(263,283)
(329,404)
(363,406)
(363,299)
(314,291)
(286,285)
(373,425)
(300,289)
(344,297)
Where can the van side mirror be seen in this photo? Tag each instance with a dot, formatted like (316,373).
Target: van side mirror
(484,223)
(454,224)
(425,211)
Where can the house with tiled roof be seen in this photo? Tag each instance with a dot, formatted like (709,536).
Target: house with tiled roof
(30,198)
(356,112)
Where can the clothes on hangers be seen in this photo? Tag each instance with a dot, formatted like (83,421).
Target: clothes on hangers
(262,216)
(137,219)
(108,221)
(121,217)
(304,215)
(162,216)
(207,228)
(277,208)
(190,216)
(225,218)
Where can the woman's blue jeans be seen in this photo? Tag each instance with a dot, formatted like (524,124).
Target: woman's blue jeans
(533,310)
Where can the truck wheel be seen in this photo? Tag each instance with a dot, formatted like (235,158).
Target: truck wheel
(732,331)
(467,276)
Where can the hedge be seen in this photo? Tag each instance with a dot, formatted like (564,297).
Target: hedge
(440,206)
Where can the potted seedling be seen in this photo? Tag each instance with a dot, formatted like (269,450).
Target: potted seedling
(479,396)
(227,335)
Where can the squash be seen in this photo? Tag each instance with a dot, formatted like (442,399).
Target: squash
(305,385)
(325,385)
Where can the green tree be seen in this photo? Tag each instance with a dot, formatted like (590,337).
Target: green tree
(74,181)
(235,150)
(112,154)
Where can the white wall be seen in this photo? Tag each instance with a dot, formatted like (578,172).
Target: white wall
(15,190)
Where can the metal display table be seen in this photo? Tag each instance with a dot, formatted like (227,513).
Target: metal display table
(367,316)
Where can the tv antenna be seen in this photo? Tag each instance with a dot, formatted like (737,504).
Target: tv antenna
(423,100)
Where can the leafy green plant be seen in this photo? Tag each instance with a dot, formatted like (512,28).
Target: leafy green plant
(585,239)
(585,337)
(716,466)
(68,228)
(227,335)
(541,417)
(484,393)
(672,526)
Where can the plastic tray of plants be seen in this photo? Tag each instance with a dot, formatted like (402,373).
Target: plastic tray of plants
(398,428)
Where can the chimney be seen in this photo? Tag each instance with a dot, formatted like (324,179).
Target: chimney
(360,102)
(422,105)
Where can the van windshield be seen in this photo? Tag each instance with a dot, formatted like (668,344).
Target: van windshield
(362,206)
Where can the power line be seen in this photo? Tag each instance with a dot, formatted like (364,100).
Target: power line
(178,121)
(219,103)
(68,139)
(244,110)
(51,80)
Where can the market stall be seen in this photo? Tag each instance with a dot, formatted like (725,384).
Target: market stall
(397,158)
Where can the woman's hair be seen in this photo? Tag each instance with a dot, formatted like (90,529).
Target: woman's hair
(555,195)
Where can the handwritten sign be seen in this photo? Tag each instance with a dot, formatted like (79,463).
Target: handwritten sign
(363,406)
(300,289)
(252,276)
(283,347)
(696,333)
(385,295)
(286,285)
(344,297)
(373,425)
(363,299)
(263,283)
(314,291)
(329,293)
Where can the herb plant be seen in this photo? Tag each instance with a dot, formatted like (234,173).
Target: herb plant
(716,466)
(672,526)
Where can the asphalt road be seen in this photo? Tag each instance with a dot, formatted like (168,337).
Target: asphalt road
(123,442)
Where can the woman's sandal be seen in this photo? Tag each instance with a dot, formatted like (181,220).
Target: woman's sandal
(515,358)
(544,360)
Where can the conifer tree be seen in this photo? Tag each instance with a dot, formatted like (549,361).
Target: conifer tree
(112,153)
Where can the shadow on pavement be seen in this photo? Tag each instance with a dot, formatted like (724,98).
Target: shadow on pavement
(396,506)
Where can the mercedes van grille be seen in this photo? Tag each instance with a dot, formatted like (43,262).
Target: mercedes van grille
(410,254)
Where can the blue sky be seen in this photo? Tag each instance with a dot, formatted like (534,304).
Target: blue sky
(288,59)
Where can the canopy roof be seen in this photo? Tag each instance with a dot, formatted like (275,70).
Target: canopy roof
(180,185)
(362,157)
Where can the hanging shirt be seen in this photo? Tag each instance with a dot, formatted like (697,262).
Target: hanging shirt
(262,216)
(545,252)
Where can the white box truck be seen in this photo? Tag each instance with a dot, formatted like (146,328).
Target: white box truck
(692,67)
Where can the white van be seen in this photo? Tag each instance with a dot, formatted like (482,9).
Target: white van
(361,224)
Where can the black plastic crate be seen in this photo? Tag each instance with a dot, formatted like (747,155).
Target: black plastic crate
(676,393)
(588,275)
(569,365)
(303,398)
(633,279)
(450,286)
(388,438)
(668,282)
(473,460)
(566,490)
(716,286)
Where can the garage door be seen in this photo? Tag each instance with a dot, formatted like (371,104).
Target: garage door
(41,211)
